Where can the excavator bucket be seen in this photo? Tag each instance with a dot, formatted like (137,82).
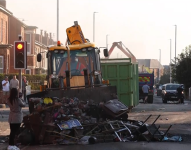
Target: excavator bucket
(75,34)
(97,94)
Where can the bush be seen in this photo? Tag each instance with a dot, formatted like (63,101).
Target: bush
(34,80)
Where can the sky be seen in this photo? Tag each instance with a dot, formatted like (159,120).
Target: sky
(143,26)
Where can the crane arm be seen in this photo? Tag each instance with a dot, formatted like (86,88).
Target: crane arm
(112,48)
(126,51)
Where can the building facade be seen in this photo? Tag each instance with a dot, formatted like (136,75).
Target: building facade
(151,65)
(10,28)
(37,43)
(5,46)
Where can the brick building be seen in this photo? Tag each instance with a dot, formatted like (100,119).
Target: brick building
(37,43)
(16,27)
(10,28)
(4,38)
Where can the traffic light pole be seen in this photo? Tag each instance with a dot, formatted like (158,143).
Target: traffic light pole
(20,80)
(20,72)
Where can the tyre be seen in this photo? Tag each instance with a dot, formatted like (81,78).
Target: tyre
(150,99)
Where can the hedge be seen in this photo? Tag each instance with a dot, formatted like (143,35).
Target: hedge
(34,80)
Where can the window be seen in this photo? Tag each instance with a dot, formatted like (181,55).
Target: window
(28,71)
(1,30)
(28,39)
(1,64)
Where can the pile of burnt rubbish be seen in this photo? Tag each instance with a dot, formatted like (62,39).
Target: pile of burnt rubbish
(72,121)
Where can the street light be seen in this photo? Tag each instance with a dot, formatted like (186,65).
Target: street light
(175,41)
(107,40)
(57,20)
(159,62)
(94,26)
(170,64)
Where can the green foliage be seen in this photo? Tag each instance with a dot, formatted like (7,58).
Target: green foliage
(181,71)
(34,80)
(165,79)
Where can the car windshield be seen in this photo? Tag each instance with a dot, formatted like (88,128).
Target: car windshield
(79,61)
(172,87)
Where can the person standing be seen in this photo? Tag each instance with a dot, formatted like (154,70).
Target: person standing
(14,83)
(5,85)
(15,116)
(145,90)
(24,84)
(180,94)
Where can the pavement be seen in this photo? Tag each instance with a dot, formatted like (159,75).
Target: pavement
(177,115)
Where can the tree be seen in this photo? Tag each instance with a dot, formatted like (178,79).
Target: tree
(181,70)
(165,79)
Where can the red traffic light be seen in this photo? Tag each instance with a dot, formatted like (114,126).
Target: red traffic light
(19,46)
(20,55)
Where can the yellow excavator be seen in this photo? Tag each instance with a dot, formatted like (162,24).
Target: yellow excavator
(74,69)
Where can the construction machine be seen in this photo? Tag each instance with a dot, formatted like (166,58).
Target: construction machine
(74,69)
(124,49)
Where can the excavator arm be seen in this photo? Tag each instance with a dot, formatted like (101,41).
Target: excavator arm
(126,51)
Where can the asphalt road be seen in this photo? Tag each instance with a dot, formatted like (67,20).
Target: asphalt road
(177,115)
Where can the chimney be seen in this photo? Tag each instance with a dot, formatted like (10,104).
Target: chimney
(44,33)
(3,3)
(41,32)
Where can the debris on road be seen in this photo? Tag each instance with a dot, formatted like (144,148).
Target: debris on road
(161,109)
(72,121)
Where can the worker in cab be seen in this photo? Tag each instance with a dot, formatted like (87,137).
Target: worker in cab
(76,67)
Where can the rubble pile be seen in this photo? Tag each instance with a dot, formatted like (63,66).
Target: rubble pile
(72,121)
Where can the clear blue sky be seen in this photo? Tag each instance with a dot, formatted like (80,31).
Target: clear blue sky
(144,26)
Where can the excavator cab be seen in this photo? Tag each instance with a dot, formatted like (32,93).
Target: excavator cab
(74,69)
(82,69)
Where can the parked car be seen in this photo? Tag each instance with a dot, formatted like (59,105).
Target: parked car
(169,92)
(159,90)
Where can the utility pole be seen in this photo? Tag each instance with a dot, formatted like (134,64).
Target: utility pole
(170,64)
(94,26)
(57,20)
(159,62)
(175,42)
(107,40)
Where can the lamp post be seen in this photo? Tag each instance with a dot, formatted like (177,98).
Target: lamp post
(57,20)
(107,40)
(175,41)
(170,64)
(94,26)
(159,62)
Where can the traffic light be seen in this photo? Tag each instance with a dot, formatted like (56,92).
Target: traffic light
(20,54)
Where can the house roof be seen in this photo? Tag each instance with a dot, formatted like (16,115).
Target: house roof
(150,63)
(31,27)
(2,8)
